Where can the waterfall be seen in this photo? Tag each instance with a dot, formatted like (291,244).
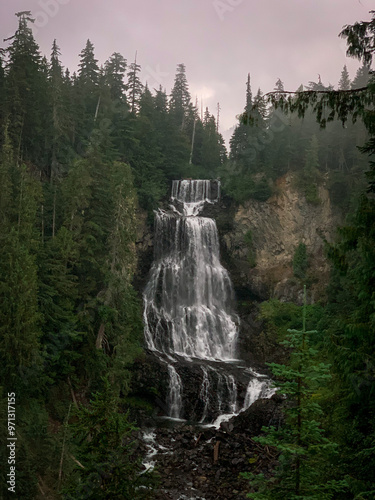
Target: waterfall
(174,394)
(189,297)
(232,389)
(189,304)
(204,395)
(256,389)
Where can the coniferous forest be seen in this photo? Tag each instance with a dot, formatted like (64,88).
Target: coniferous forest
(85,155)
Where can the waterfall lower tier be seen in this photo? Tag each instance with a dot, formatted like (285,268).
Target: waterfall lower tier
(189,316)
(174,393)
(189,297)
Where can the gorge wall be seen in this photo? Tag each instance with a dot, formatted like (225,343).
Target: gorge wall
(263,239)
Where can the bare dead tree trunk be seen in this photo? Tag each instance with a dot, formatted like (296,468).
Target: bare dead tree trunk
(63,446)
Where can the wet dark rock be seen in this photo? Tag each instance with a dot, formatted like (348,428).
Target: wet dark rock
(264,412)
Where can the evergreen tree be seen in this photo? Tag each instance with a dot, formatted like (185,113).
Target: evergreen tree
(161,101)
(316,86)
(350,313)
(135,87)
(303,448)
(180,98)
(211,146)
(86,95)
(300,262)
(279,86)
(88,72)
(115,69)
(350,331)
(106,452)
(174,144)
(148,158)
(361,78)
(344,83)
(260,113)
(59,123)
(25,93)
(19,314)
(2,86)
(6,192)
(249,96)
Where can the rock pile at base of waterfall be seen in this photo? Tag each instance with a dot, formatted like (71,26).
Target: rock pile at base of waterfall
(186,464)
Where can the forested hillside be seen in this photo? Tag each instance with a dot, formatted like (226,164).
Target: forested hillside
(81,154)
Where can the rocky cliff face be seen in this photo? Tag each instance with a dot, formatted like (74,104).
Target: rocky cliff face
(274,229)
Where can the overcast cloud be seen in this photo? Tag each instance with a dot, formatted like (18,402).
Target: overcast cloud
(219,41)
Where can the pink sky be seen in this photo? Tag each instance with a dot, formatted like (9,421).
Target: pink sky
(219,41)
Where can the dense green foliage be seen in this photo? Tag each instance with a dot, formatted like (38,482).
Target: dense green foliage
(270,141)
(300,262)
(103,440)
(248,237)
(345,333)
(303,448)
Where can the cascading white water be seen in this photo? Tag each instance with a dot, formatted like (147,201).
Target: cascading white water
(204,392)
(194,194)
(188,304)
(256,389)
(232,389)
(174,395)
(188,299)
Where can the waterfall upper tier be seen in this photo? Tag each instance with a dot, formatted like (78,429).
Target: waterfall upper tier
(193,194)
(189,297)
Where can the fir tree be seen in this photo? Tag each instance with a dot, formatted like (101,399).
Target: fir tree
(25,95)
(249,96)
(134,85)
(115,69)
(279,86)
(300,262)
(344,83)
(86,93)
(260,115)
(180,98)
(19,313)
(211,146)
(316,86)
(2,89)
(361,78)
(106,452)
(88,73)
(161,101)
(303,449)
(60,122)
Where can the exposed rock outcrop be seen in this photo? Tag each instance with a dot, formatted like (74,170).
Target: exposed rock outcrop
(277,227)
